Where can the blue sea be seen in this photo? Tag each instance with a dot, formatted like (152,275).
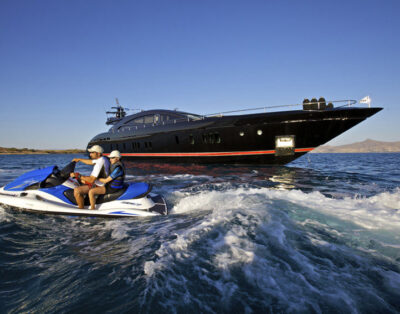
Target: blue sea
(321,234)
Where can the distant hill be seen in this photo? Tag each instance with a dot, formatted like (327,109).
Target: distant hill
(22,151)
(367,146)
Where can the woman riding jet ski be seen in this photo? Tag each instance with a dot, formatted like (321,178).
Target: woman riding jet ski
(50,190)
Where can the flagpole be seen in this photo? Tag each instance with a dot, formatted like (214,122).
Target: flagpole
(366,100)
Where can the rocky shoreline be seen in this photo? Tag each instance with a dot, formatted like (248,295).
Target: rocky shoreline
(28,151)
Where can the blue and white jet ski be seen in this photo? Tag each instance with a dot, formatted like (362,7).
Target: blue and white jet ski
(50,190)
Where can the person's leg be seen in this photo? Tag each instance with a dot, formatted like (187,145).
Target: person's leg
(79,192)
(92,195)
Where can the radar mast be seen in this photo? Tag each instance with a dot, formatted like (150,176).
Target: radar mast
(118,114)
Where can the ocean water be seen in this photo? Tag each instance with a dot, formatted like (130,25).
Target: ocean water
(321,234)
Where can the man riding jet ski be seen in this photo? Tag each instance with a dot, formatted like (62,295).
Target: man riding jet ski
(101,168)
(50,190)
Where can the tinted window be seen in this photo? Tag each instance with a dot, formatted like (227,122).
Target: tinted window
(149,119)
(134,122)
(171,117)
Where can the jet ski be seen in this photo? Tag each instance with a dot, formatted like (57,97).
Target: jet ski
(51,191)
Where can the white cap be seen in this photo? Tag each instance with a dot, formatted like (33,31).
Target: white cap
(115,153)
(96,149)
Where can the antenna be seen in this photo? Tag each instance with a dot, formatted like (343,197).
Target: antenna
(119,113)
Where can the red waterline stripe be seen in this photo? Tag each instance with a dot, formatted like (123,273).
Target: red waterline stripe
(209,154)
(301,150)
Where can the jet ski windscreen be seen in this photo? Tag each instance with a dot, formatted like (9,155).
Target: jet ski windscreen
(64,172)
(29,178)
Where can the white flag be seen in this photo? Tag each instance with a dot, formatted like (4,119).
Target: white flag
(366,100)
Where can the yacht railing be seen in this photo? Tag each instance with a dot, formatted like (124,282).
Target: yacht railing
(343,103)
(347,103)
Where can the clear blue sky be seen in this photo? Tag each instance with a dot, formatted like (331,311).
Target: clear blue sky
(62,63)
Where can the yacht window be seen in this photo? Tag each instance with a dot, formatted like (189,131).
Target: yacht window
(217,138)
(138,120)
(170,117)
(204,138)
(130,123)
(149,119)
(211,138)
(134,121)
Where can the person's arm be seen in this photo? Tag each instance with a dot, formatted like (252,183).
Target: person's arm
(82,160)
(83,179)
(98,164)
(106,180)
(116,173)
(85,161)
(88,179)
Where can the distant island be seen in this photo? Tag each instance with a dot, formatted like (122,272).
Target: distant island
(367,146)
(24,151)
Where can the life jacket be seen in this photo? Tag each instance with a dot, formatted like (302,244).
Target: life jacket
(118,182)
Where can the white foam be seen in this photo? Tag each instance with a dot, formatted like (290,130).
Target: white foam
(252,245)
(243,230)
(238,251)
(381,211)
(3,215)
(119,229)
(149,268)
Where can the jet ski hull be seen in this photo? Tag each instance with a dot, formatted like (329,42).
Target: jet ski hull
(44,203)
(50,191)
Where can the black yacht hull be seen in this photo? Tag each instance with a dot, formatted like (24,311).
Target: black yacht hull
(242,139)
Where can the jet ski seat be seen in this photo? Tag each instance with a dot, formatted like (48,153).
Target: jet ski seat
(100,198)
(104,198)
